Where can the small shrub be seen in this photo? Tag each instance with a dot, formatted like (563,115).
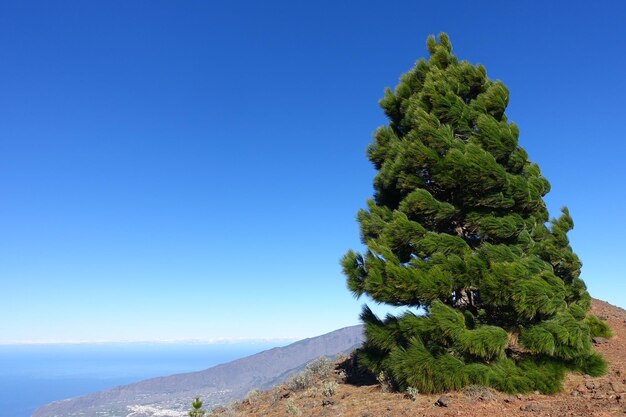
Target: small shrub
(329,388)
(342,376)
(292,408)
(227,411)
(321,368)
(412,393)
(252,395)
(275,396)
(231,410)
(301,381)
(385,382)
(479,392)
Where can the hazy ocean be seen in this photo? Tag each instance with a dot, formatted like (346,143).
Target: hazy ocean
(33,375)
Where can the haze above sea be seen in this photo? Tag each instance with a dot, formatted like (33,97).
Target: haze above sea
(34,375)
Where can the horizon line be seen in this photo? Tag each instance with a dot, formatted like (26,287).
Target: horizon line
(209,341)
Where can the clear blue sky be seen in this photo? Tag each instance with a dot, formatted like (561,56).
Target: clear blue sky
(175,170)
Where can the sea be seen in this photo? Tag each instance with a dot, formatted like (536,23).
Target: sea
(34,375)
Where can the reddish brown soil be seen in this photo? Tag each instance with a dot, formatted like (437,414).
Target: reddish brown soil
(581,396)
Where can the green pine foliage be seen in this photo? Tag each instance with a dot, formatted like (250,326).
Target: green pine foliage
(196,408)
(597,327)
(458,227)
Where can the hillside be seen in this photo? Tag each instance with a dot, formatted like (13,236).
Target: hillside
(582,395)
(171,395)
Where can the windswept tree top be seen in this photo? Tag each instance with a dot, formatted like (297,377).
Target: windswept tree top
(457,225)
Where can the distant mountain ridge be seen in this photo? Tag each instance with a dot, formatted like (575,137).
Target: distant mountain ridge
(172,395)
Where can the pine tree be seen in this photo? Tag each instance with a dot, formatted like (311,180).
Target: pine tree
(457,232)
(197,410)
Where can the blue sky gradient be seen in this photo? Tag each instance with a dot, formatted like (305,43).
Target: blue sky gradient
(192,170)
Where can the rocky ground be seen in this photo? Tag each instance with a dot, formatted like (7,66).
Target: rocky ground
(582,395)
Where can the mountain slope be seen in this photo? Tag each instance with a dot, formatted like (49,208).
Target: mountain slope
(171,395)
(582,395)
